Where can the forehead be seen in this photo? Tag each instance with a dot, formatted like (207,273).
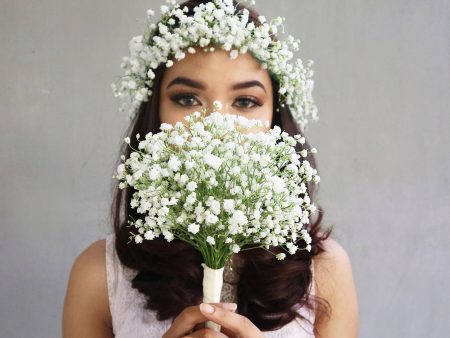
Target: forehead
(217,66)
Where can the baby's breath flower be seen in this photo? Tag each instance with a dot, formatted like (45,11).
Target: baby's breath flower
(234,54)
(210,240)
(149,235)
(166,126)
(213,161)
(228,205)
(211,218)
(174,163)
(281,256)
(164,9)
(191,186)
(194,228)
(217,105)
(221,187)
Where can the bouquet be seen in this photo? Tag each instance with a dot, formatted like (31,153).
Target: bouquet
(211,183)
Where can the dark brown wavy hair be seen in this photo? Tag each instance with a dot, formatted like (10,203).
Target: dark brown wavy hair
(170,274)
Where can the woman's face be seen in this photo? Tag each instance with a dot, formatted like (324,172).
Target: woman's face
(196,81)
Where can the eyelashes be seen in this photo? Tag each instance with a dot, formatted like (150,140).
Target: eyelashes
(191,100)
(255,103)
(178,99)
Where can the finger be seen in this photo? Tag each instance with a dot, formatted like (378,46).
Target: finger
(206,332)
(237,324)
(227,332)
(226,306)
(187,320)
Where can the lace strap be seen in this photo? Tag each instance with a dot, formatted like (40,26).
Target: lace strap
(111,270)
(313,289)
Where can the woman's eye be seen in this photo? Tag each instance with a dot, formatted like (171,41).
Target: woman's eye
(245,102)
(185,100)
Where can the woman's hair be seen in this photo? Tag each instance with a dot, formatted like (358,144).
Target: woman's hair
(170,274)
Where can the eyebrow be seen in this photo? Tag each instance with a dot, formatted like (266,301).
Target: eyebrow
(200,85)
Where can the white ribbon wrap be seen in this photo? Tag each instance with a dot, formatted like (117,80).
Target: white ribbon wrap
(212,288)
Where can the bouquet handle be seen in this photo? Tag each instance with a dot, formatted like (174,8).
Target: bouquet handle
(212,288)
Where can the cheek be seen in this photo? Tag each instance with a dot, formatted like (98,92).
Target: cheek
(266,115)
(266,112)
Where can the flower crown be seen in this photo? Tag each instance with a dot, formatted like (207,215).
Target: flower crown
(215,23)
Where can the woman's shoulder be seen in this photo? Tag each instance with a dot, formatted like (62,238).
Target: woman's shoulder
(87,290)
(330,264)
(335,283)
(333,250)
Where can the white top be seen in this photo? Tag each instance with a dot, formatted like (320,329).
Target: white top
(130,318)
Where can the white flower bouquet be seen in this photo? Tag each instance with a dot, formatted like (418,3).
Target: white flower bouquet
(206,182)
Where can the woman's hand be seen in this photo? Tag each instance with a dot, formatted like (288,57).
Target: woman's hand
(191,318)
(233,325)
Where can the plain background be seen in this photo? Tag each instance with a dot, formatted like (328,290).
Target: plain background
(382,88)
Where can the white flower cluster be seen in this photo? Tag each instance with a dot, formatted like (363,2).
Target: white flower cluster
(208,183)
(216,23)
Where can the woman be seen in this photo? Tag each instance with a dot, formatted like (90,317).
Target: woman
(130,290)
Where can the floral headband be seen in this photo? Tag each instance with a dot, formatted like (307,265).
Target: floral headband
(215,23)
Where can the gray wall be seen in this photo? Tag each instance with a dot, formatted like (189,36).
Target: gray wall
(381,86)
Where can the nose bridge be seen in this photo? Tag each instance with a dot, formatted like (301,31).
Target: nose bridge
(217,95)
(217,91)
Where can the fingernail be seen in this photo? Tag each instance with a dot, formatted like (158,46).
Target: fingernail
(230,306)
(206,308)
